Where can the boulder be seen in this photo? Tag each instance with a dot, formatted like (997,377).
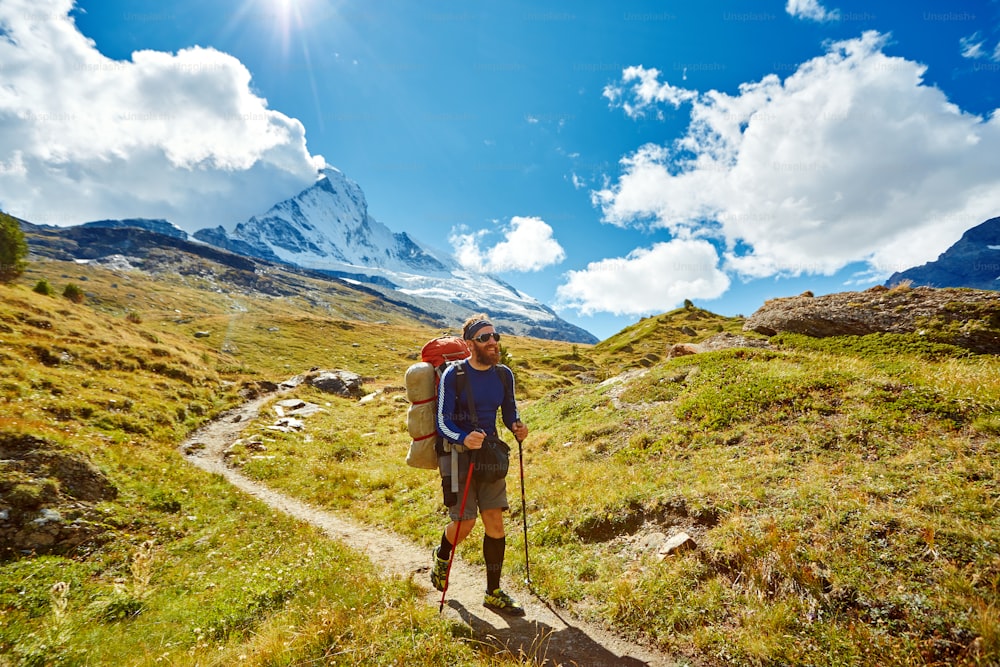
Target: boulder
(339,382)
(967,318)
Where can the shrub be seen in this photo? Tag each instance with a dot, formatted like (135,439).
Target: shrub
(73,293)
(43,287)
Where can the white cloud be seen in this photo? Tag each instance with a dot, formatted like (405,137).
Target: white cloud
(647,280)
(812,10)
(527,246)
(851,158)
(178,136)
(972,46)
(645,91)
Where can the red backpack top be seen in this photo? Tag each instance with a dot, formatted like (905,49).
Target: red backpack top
(444,349)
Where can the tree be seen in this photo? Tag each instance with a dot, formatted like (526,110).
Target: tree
(13,249)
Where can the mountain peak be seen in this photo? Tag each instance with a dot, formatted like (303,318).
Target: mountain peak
(327,228)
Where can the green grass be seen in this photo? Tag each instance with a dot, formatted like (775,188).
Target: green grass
(843,497)
(842,492)
(179,568)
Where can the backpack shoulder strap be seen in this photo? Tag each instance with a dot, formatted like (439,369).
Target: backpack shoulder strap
(459,378)
(505,379)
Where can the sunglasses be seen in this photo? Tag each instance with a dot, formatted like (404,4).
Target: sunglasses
(482,338)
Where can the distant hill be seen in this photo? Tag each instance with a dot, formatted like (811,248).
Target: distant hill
(974,261)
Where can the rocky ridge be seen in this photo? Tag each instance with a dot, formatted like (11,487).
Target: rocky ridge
(967,318)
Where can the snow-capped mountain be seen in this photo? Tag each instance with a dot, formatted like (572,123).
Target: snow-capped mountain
(327,228)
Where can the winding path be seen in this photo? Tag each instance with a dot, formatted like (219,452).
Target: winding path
(545,632)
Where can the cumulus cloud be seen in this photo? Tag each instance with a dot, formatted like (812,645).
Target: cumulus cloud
(812,10)
(180,136)
(527,246)
(640,90)
(647,280)
(851,158)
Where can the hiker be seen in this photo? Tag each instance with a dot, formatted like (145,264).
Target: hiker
(490,392)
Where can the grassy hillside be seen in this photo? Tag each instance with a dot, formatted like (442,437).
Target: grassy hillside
(841,493)
(175,567)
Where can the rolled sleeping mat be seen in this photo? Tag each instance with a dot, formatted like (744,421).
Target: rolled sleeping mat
(420,420)
(421,383)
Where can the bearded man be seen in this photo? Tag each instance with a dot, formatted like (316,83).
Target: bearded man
(492,389)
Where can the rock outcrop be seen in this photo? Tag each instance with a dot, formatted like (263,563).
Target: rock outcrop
(967,318)
(47,497)
(721,341)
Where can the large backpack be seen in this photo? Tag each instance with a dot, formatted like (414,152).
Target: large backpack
(422,380)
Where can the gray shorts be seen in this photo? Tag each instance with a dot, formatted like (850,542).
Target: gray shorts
(482,495)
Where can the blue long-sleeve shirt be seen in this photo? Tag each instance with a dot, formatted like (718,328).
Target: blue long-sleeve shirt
(453,421)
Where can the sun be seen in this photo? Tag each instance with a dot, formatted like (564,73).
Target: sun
(288,17)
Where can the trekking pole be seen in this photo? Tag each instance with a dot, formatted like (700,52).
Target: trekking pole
(524,516)
(458,527)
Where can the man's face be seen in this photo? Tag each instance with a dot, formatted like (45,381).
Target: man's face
(488,353)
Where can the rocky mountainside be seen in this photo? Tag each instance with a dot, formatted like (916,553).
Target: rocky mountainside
(159,226)
(326,227)
(964,317)
(325,230)
(141,248)
(974,261)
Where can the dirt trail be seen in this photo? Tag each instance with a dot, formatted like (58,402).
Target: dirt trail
(545,631)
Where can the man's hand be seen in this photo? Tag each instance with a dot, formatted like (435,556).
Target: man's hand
(520,431)
(475,440)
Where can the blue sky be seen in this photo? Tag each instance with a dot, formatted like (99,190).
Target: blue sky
(609,158)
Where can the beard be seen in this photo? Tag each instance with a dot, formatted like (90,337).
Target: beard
(486,356)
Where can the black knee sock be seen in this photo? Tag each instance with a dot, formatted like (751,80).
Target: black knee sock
(493,548)
(444,551)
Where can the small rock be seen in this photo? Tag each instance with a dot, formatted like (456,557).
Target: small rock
(194,447)
(47,516)
(677,543)
(683,349)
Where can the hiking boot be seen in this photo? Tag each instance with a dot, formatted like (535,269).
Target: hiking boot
(503,603)
(439,573)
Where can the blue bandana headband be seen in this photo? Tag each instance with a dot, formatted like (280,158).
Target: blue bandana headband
(470,331)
